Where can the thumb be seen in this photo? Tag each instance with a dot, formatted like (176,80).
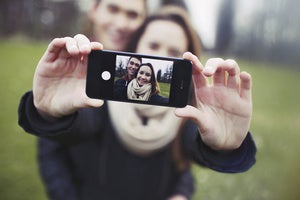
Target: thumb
(188,112)
(194,114)
(95,103)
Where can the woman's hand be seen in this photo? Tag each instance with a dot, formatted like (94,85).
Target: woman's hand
(224,107)
(59,79)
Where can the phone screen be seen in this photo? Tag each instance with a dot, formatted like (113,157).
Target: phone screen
(162,70)
(138,78)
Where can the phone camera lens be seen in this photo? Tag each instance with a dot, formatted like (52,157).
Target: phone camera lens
(106,75)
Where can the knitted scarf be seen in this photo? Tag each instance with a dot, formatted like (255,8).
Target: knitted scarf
(143,129)
(136,92)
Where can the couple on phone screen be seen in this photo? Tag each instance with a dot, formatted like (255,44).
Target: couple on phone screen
(138,83)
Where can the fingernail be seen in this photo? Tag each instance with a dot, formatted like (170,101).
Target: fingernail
(85,47)
(208,69)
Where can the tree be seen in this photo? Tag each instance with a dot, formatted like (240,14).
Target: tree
(224,26)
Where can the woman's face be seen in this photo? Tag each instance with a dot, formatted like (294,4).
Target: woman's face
(163,38)
(115,21)
(144,75)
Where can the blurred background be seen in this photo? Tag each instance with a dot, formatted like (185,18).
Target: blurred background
(263,36)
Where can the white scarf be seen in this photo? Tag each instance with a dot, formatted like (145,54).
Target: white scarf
(161,128)
(136,92)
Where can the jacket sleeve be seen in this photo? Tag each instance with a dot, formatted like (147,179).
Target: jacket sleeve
(55,170)
(32,122)
(238,160)
(83,124)
(186,184)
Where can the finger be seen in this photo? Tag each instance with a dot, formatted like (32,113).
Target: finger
(197,66)
(187,112)
(54,49)
(83,44)
(95,103)
(198,79)
(93,46)
(96,46)
(71,46)
(194,114)
(246,86)
(219,77)
(218,68)
(213,68)
(233,70)
(212,65)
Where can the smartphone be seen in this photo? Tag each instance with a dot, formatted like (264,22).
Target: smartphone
(166,84)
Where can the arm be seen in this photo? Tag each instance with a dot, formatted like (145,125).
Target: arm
(224,107)
(83,124)
(60,76)
(58,88)
(234,161)
(222,115)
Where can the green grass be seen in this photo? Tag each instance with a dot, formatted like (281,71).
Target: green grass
(18,170)
(164,89)
(275,127)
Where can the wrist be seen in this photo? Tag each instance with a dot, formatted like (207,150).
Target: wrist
(47,116)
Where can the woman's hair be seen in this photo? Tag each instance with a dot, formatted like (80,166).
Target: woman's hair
(154,85)
(174,14)
(179,16)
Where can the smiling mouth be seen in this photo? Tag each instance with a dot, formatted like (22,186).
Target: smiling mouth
(131,71)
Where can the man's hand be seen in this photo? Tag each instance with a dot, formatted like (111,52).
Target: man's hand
(60,77)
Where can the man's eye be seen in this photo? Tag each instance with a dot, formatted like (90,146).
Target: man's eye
(113,9)
(174,53)
(132,15)
(154,46)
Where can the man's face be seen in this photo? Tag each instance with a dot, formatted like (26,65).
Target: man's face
(132,66)
(116,20)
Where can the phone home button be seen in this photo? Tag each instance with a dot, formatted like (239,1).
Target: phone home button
(105,75)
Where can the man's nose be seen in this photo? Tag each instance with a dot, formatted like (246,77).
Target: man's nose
(162,52)
(121,21)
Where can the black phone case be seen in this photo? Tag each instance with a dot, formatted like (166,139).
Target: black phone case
(100,61)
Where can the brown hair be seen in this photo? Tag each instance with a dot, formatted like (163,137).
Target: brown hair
(179,16)
(174,14)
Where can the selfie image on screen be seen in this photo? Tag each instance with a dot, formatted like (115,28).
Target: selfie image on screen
(142,79)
